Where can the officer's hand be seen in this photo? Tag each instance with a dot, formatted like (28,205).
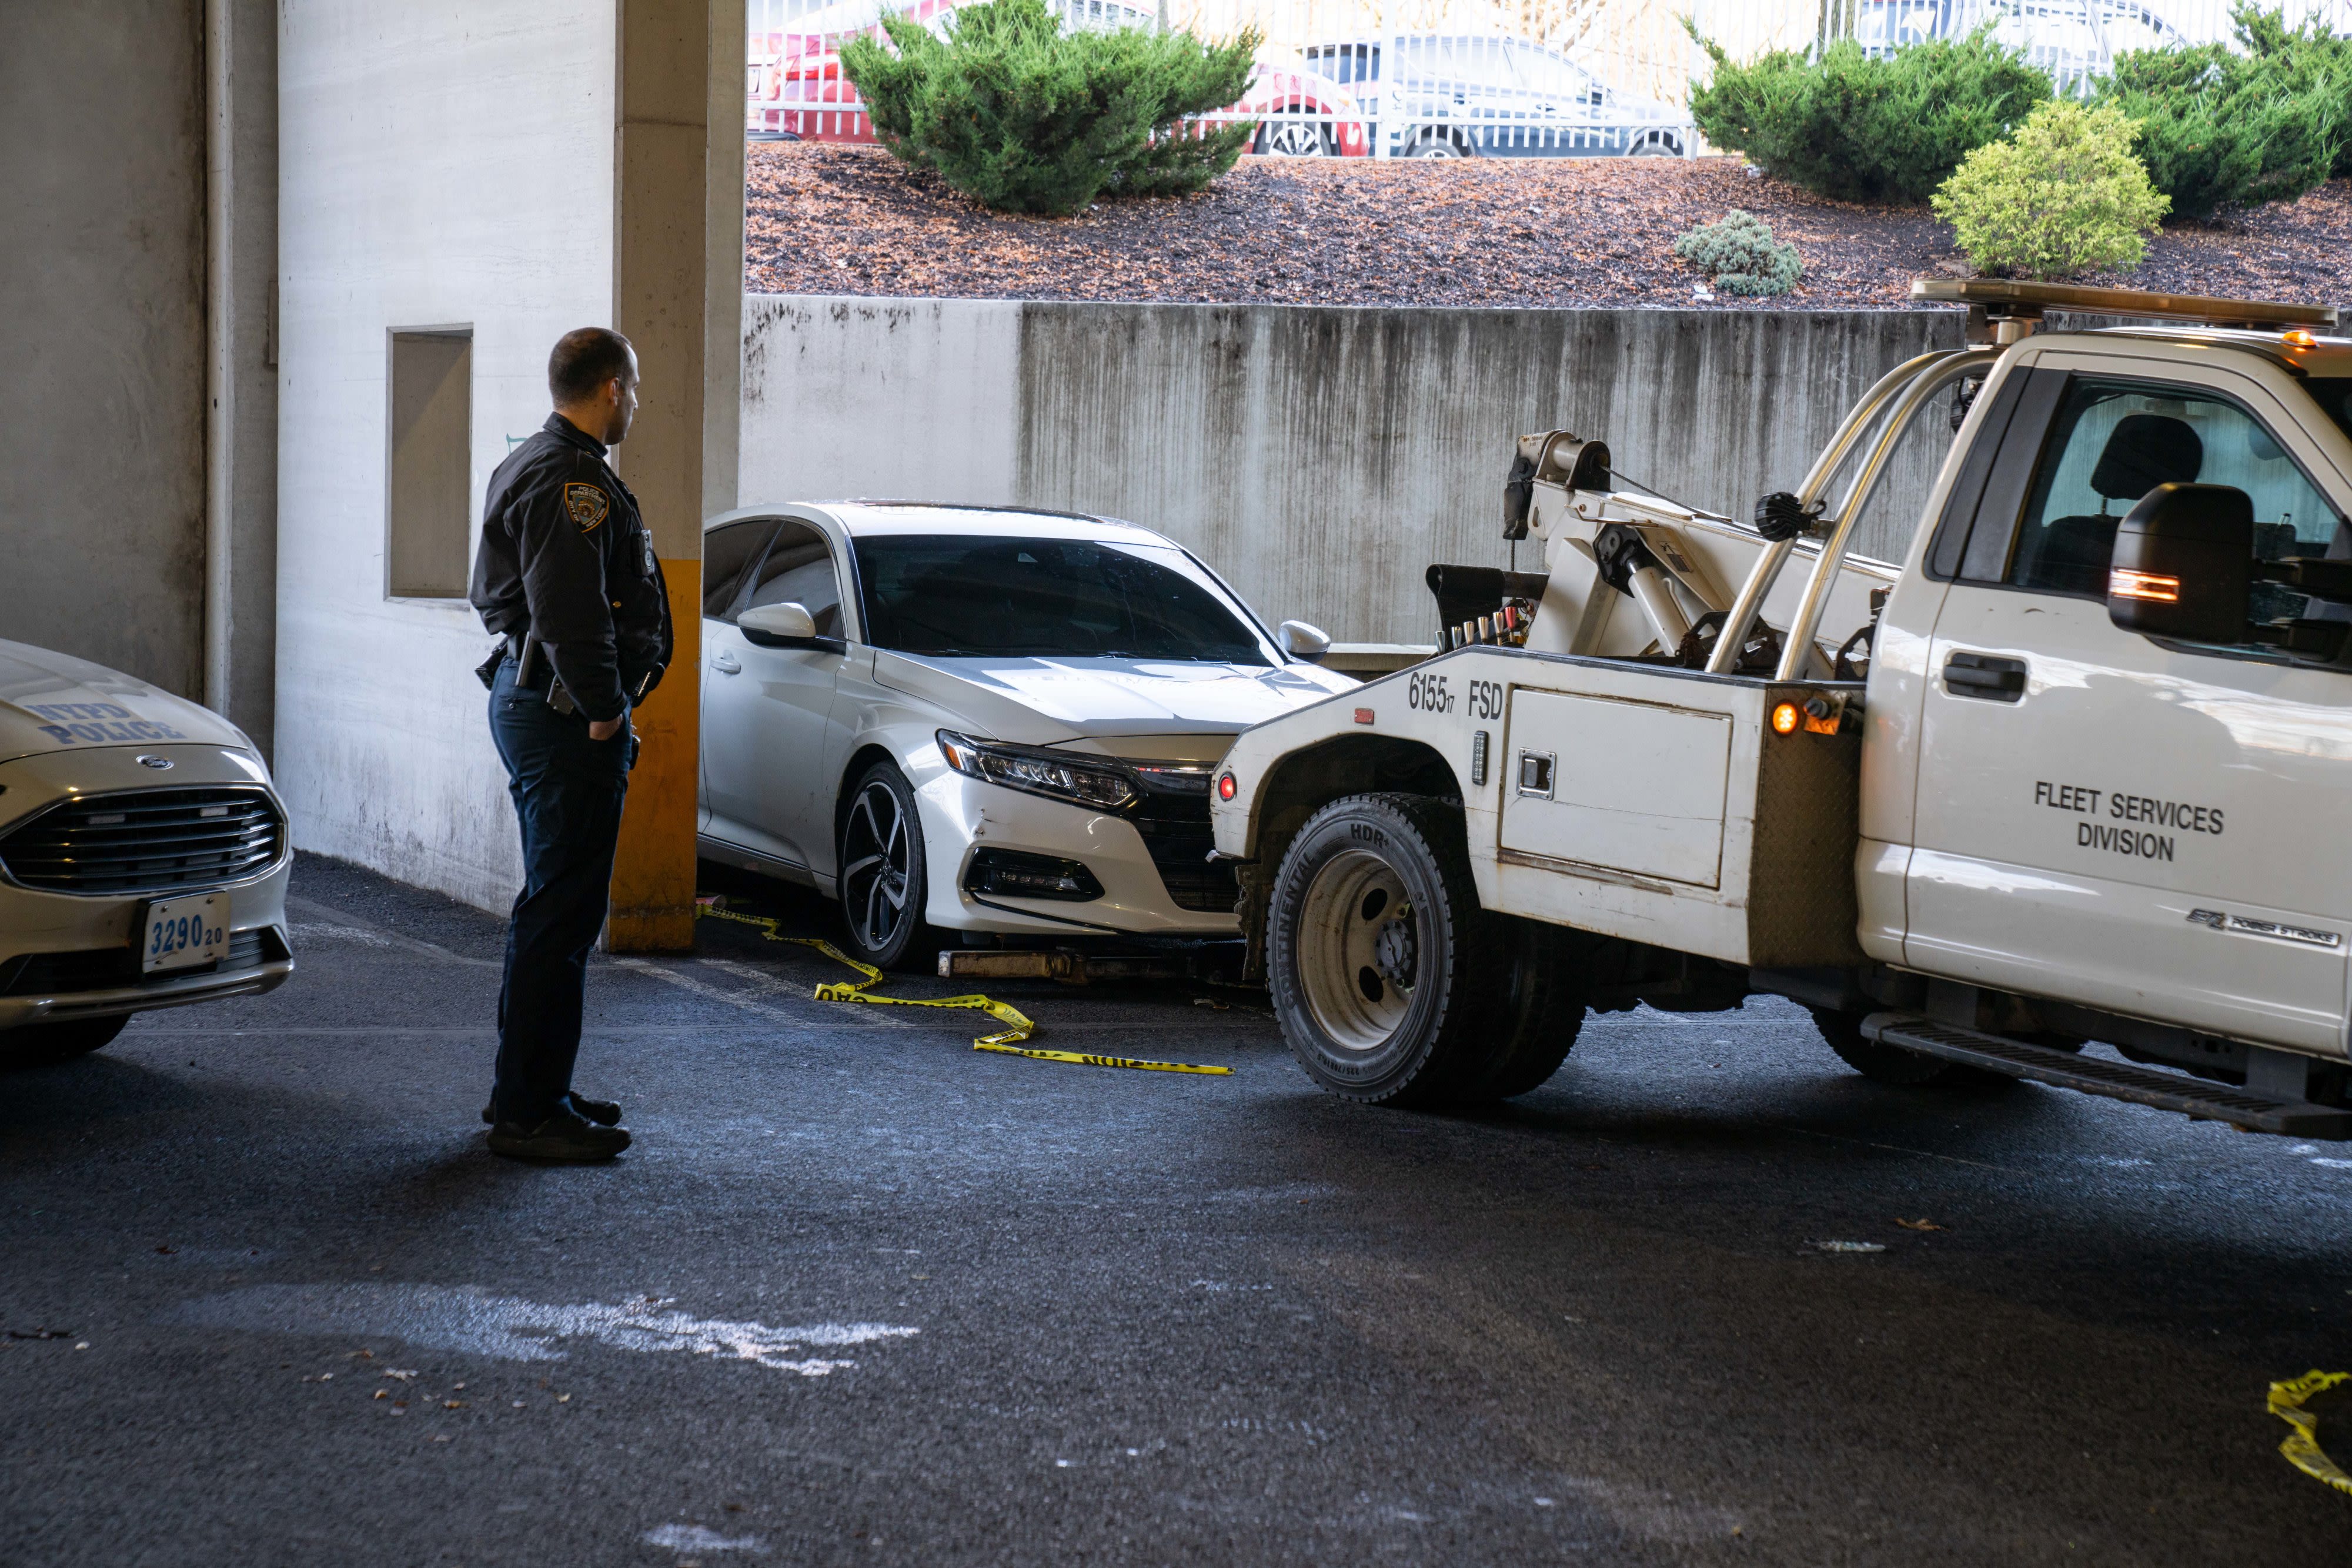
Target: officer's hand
(604,729)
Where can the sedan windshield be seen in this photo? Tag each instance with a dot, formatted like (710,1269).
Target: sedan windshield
(961,596)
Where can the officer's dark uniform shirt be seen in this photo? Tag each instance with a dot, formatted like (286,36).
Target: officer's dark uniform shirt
(565,558)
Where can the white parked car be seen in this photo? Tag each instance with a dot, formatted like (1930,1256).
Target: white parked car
(143,856)
(957,718)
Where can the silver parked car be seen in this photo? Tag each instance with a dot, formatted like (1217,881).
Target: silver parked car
(1468,96)
(143,856)
(957,718)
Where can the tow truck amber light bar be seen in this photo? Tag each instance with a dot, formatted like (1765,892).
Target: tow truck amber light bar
(2125,584)
(2001,297)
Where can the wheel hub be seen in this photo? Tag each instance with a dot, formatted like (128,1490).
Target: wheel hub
(1359,953)
(1397,949)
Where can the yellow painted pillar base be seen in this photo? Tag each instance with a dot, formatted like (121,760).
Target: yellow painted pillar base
(653,876)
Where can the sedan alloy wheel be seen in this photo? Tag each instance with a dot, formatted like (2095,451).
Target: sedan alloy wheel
(882,883)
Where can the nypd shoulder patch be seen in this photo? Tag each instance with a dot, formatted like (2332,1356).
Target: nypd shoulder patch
(587,505)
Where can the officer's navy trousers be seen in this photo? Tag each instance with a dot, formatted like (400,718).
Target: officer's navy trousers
(567,792)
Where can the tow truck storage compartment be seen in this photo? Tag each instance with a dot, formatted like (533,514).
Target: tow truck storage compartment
(1649,802)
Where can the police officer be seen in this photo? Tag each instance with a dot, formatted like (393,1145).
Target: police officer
(567,575)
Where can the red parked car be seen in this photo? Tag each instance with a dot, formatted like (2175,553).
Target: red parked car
(797,92)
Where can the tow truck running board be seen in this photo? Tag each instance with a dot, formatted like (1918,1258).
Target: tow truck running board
(2115,1079)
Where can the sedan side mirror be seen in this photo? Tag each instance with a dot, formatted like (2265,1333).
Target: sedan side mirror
(2183,563)
(773,625)
(1301,640)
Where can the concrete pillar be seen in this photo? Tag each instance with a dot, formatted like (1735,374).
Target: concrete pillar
(240,634)
(678,195)
(102,332)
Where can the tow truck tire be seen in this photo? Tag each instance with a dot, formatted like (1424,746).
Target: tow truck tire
(1883,1063)
(1535,1010)
(46,1044)
(1392,985)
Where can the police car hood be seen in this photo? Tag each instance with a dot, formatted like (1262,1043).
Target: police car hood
(1163,707)
(50,702)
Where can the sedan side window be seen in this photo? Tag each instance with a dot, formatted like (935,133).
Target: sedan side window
(2112,442)
(727,554)
(799,570)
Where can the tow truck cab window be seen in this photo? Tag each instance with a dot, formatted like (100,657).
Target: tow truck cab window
(799,570)
(2112,442)
(2063,458)
(2333,396)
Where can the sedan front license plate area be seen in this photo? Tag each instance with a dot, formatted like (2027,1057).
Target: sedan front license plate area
(183,932)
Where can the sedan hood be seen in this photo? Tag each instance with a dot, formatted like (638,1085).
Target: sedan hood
(50,702)
(1051,702)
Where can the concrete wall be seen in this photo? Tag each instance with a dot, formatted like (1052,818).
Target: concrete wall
(445,163)
(103,329)
(1320,459)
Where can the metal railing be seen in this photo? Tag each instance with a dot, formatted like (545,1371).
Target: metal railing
(1486,77)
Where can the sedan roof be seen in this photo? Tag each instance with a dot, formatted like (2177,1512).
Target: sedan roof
(858,517)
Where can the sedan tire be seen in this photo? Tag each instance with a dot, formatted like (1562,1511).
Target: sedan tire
(883,884)
(46,1044)
(1286,134)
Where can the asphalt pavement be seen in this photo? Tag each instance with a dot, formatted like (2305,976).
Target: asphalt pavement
(862,1294)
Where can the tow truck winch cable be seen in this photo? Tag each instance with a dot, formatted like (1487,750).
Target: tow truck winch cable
(1007,1041)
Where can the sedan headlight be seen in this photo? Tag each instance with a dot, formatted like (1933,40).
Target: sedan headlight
(1043,773)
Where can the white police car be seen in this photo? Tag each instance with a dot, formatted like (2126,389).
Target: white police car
(143,856)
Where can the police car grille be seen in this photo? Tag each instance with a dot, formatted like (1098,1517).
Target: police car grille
(147,841)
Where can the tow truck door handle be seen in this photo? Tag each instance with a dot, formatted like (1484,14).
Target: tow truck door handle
(724,662)
(1985,676)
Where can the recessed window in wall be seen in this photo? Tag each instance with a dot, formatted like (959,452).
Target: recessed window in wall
(428,500)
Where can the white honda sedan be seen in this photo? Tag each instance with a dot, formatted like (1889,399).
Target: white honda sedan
(973,719)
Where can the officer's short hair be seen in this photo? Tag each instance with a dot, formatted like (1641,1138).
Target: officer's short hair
(585,358)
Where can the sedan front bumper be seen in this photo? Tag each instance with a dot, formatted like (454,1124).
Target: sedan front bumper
(68,953)
(963,815)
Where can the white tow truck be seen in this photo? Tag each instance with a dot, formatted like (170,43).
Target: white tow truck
(2078,769)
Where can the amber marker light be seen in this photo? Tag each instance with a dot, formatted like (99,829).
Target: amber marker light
(2125,584)
(1786,716)
(2299,339)
(1227,788)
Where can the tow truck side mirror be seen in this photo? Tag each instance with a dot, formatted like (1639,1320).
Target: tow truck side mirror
(2183,563)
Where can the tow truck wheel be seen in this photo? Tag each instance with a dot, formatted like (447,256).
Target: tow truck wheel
(46,1044)
(1884,1063)
(1392,985)
(1535,1010)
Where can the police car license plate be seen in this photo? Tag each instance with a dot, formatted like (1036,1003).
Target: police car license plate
(183,932)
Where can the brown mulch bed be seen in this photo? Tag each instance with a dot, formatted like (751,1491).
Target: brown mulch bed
(1528,231)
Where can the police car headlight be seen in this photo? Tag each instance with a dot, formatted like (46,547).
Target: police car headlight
(1038,773)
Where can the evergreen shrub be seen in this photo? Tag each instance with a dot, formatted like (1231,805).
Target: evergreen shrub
(2063,195)
(1860,129)
(1740,254)
(2223,127)
(1021,116)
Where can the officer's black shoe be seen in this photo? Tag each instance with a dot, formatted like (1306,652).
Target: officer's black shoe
(604,1112)
(565,1138)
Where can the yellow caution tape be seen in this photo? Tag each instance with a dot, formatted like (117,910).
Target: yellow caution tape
(1085,1060)
(1018,1026)
(2301,1446)
(1007,1039)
